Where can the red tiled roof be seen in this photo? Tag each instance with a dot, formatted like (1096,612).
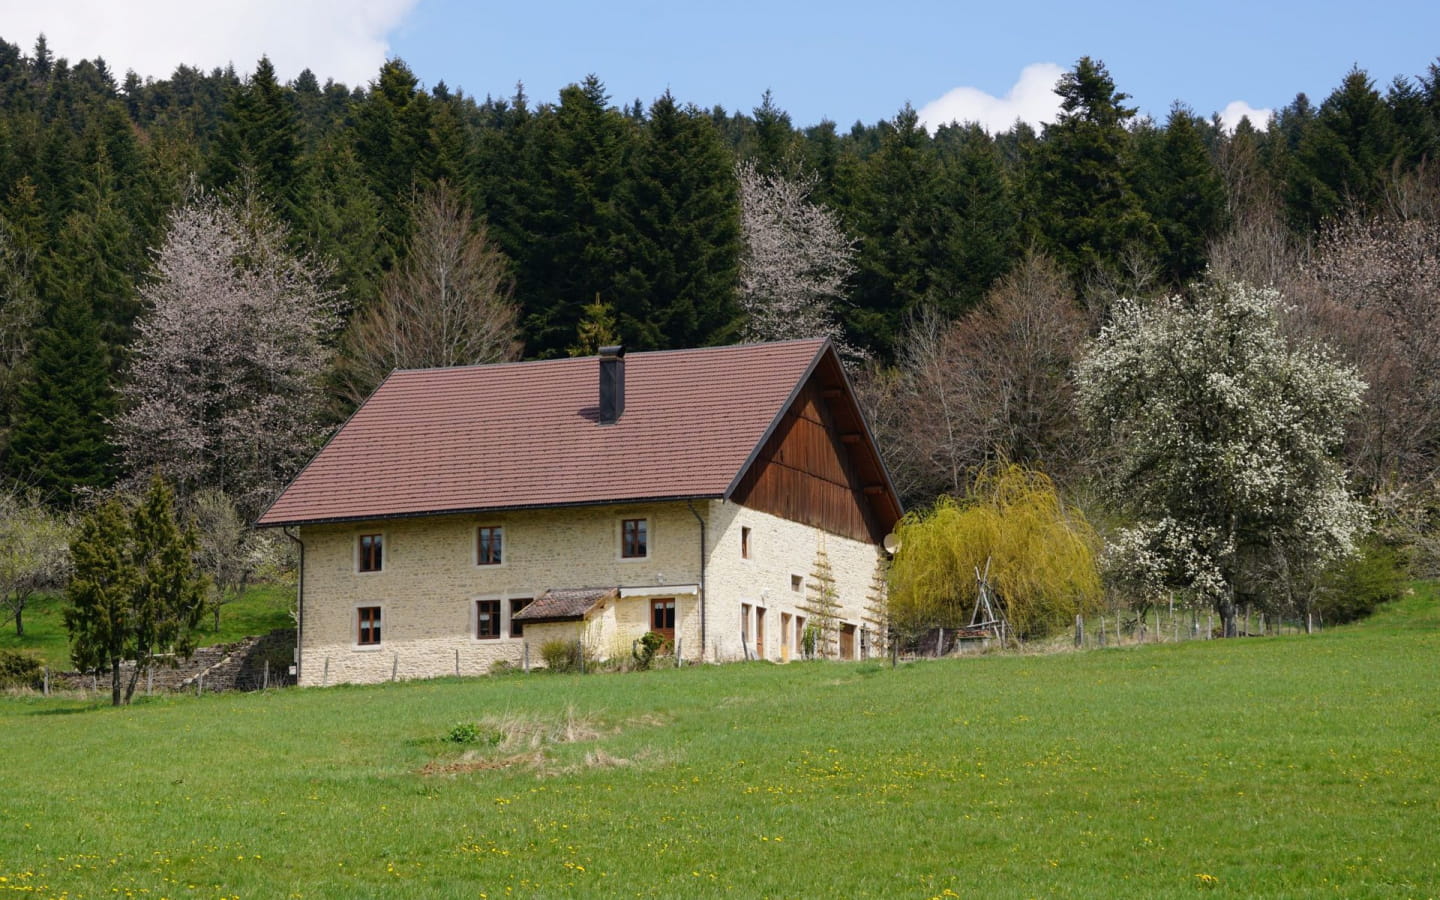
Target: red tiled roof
(557,604)
(526,434)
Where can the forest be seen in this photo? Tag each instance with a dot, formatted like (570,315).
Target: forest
(203,274)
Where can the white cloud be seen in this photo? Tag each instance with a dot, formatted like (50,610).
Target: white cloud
(1236,110)
(341,39)
(1032,99)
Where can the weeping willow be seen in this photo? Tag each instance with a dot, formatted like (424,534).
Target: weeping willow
(1041,554)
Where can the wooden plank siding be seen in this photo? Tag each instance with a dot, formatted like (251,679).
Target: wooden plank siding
(807,471)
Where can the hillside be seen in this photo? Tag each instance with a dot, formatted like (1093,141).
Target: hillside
(1293,766)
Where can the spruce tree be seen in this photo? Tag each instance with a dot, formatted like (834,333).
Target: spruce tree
(681,246)
(1087,213)
(136,593)
(1343,159)
(1184,195)
(897,201)
(60,443)
(260,140)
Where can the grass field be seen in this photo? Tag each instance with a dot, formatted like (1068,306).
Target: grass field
(1293,766)
(262,609)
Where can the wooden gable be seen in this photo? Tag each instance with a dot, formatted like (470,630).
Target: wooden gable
(819,465)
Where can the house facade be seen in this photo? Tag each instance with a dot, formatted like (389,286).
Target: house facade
(729,498)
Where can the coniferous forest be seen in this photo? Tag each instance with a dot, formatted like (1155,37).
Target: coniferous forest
(961,272)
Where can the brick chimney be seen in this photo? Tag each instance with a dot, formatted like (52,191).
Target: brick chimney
(612,384)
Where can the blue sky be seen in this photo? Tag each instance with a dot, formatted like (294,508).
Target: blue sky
(841,60)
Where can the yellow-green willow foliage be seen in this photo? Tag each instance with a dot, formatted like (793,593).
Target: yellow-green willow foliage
(1041,552)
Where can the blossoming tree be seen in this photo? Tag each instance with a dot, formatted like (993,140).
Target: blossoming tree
(1224,438)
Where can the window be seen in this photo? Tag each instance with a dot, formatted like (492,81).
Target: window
(662,618)
(744,542)
(372,553)
(487,619)
(634,543)
(517,629)
(796,583)
(489,545)
(368,634)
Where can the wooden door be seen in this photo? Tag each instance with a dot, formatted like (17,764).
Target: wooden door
(847,641)
(662,618)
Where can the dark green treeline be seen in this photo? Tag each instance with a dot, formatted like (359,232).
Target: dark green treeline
(630,203)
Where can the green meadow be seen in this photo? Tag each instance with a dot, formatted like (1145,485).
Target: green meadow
(1286,767)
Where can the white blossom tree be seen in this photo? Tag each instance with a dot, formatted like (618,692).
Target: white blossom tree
(34,553)
(796,260)
(225,386)
(446,304)
(1224,439)
(1373,292)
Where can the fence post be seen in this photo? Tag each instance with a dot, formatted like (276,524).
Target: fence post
(325,678)
(149,681)
(1079,632)
(457,661)
(265,686)
(47,681)
(394,666)
(525,656)
(1102,631)
(679,651)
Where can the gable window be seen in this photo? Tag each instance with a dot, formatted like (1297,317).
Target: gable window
(489,545)
(634,538)
(368,631)
(745,542)
(517,629)
(487,619)
(371,557)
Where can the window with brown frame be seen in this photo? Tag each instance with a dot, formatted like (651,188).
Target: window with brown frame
(371,557)
(487,619)
(662,618)
(517,629)
(368,632)
(634,538)
(744,542)
(489,545)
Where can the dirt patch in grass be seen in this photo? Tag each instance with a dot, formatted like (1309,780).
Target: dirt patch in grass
(517,740)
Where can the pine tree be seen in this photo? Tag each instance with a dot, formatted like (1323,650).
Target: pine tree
(986,237)
(822,604)
(135,593)
(61,440)
(1342,160)
(1087,214)
(877,608)
(1184,195)
(897,204)
(680,246)
(568,240)
(260,140)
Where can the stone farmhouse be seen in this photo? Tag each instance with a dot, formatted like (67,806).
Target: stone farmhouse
(465,516)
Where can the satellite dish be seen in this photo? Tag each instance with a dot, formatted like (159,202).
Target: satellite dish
(891,544)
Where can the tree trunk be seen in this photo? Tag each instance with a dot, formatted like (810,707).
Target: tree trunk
(19,625)
(115,681)
(134,677)
(1228,611)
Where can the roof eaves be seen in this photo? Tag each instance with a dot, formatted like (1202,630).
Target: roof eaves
(316,455)
(795,390)
(478,510)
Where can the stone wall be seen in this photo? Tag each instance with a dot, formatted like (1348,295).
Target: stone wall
(249,664)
